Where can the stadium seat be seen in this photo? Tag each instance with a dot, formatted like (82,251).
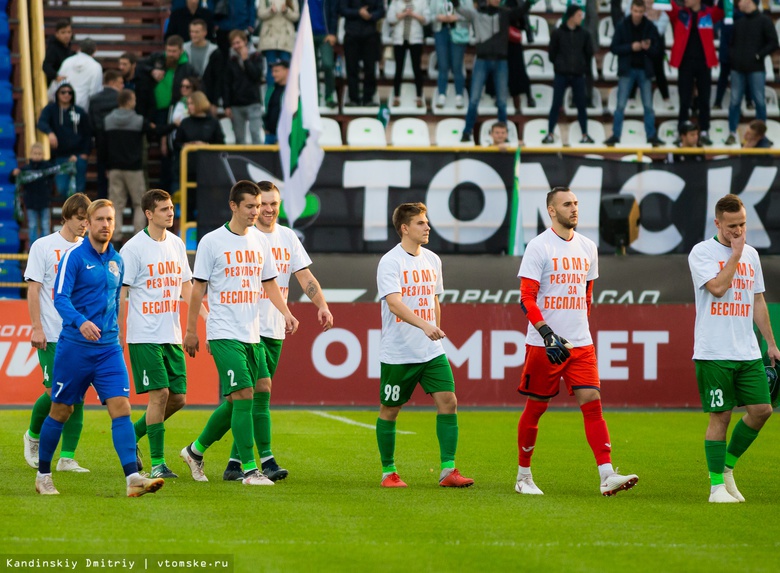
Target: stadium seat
(484,133)
(724,109)
(407,102)
(667,131)
(6,98)
(389,68)
(633,107)
(449,107)
(10,272)
(331,133)
(487,105)
(595,130)
(633,134)
(324,109)
(663,109)
(773,132)
(372,109)
(541,32)
(715,72)
(433,67)
(535,131)
(670,72)
(596,105)
(9,236)
(770,99)
(609,68)
(634,158)
(340,33)
(5,63)
(669,35)
(7,199)
(7,163)
(719,131)
(449,131)
(366,132)
(537,64)
(770,70)
(542,95)
(230,136)
(606,31)
(603,6)
(410,132)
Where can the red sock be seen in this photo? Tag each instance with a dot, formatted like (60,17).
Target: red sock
(527,428)
(596,431)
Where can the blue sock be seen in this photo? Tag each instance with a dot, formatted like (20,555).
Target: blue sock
(124,443)
(51,431)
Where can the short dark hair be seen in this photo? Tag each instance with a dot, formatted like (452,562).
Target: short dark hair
(728,204)
(498,124)
(638,4)
(110,76)
(88,46)
(175,40)
(150,199)
(236,34)
(200,22)
(73,204)
(61,24)
(124,97)
(405,212)
(131,57)
(758,127)
(242,188)
(266,186)
(554,191)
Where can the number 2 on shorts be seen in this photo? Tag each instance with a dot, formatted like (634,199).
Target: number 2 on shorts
(232,378)
(716,398)
(392,392)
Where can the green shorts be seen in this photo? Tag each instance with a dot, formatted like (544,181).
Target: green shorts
(46,360)
(157,366)
(272,350)
(398,381)
(726,384)
(238,364)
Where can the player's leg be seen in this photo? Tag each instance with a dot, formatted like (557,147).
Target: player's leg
(437,380)
(261,409)
(41,407)
(716,391)
(751,389)
(71,434)
(164,401)
(397,382)
(582,380)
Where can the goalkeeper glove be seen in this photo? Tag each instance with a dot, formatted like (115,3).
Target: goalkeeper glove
(557,347)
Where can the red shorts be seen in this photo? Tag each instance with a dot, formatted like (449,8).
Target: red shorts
(542,379)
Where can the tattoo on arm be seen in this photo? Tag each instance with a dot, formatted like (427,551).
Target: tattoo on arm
(312,289)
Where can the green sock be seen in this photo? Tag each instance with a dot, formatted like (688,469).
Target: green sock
(741,438)
(234,455)
(157,443)
(242,426)
(40,410)
(71,432)
(716,460)
(216,427)
(140,428)
(261,417)
(385,438)
(447,432)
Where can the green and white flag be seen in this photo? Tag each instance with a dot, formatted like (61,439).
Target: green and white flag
(516,246)
(300,124)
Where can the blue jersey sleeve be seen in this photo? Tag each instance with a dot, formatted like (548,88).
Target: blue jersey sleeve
(63,289)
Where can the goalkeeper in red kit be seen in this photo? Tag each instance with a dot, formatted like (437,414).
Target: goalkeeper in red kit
(556,286)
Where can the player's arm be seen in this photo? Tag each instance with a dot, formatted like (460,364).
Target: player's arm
(66,278)
(556,347)
(437,310)
(721,284)
(197,293)
(121,321)
(589,295)
(38,338)
(396,305)
(312,289)
(186,293)
(274,293)
(761,318)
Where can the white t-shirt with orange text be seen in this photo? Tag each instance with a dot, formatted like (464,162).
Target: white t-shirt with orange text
(418,280)
(563,269)
(234,267)
(724,326)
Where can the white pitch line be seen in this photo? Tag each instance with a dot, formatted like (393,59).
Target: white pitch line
(351,422)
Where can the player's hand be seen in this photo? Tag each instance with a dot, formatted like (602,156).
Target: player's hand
(738,243)
(433,332)
(208,347)
(53,142)
(191,344)
(38,339)
(774,356)
(290,324)
(325,318)
(90,331)
(557,347)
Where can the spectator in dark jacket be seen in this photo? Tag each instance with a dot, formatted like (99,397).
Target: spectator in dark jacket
(636,44)
(58,49)
(101,105)
(753,39)
(571,50)
(273,101)
(242,15)
(125,130)
(755,136)
(128,62)
(491,27)
(324,27)
(361,44)
(70,135)
(37,194)
(243,75)
(181,18)
(205,57)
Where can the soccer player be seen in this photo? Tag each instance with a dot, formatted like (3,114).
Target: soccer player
(291,259)
(409,280)
(556,287)
(41,270)
(729,287)
(86,295)
(235,262)
(157,276)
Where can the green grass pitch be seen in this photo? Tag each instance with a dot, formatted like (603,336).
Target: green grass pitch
(331,514)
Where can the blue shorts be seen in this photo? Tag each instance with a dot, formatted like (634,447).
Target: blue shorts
(76,366)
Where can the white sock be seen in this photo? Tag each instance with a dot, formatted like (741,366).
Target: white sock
(132,476)
(605,470)
(265,459)
(523,472)
(728,470)
(445,472)
(196,450)
(40,475)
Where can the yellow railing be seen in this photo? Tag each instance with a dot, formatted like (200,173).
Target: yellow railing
(38,87)
(28,106)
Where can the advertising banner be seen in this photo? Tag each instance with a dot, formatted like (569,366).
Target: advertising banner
(349,208)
